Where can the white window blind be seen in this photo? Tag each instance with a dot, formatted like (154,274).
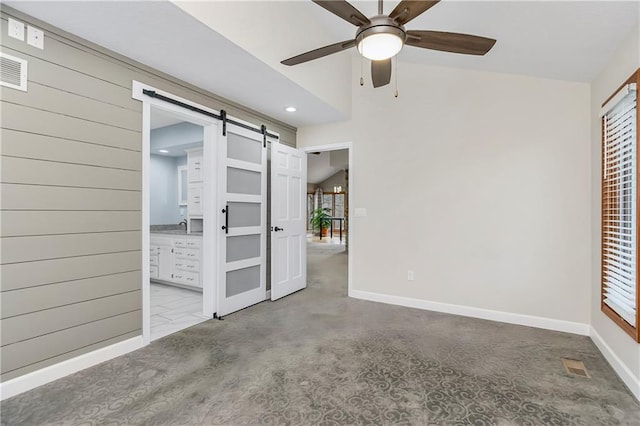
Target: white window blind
(619,240)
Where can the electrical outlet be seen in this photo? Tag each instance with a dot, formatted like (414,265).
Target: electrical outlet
(16,29)
(410,275)
(35,37)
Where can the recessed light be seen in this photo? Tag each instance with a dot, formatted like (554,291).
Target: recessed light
(290,109)
(164,151)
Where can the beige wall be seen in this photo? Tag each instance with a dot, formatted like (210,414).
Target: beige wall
(623,63)
(71,198)
(487,196)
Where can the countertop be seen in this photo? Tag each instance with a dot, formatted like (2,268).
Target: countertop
(172,230)
(180,232)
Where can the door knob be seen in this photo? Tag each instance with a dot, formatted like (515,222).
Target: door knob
(277,228)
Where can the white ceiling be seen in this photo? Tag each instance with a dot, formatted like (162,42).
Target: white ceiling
(160,35)
(564,40)
(160,119)
(319,167)
(172,134)
(559,40)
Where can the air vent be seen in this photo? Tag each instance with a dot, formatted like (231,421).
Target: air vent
(575,367)
(13,72)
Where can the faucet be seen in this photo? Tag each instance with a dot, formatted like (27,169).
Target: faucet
(184,222)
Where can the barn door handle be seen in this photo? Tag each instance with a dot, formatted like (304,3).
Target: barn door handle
(226,219)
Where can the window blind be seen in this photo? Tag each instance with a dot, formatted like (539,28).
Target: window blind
(619,227)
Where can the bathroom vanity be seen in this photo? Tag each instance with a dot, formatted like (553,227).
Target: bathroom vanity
(174,258)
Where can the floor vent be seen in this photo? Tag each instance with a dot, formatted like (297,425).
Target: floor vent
(575,367)
(13,72)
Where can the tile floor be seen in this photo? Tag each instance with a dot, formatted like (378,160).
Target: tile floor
(173,309)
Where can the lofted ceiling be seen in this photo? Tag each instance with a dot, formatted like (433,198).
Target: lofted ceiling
(233,48)
(564,40)
(321,165)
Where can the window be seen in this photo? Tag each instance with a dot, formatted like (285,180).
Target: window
(309,210)
(335,203)
(619,291)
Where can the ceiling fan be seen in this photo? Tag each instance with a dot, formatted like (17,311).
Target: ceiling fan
(381,37)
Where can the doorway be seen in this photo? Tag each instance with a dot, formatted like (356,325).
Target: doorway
(176,223)
(177,282)
(229,208)
(328,202)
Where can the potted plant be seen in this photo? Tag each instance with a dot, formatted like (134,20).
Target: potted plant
(320,220)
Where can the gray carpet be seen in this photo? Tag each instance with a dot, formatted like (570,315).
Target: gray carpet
(317,357)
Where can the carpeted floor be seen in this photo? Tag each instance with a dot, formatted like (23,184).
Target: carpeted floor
(318,357)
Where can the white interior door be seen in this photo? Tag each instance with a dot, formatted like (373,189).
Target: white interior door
(288,220)
(242,225)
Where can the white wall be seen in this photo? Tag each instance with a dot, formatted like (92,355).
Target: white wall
(624,352)
(163,177)
(477,181)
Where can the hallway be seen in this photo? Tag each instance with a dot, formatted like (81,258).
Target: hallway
(319,357)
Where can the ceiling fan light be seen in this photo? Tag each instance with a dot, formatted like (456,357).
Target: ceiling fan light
(380,46)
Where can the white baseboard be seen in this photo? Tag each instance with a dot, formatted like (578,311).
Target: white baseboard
(632,382)
(468,311)
(45,375)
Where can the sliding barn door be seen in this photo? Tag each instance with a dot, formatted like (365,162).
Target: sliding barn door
(288,220)
(242,213)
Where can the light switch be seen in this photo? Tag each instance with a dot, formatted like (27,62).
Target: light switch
(360,212)
(16,29)
(35,37)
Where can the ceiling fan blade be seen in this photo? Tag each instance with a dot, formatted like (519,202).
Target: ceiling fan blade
(319,53)
(406,10)
(450,42)
(381,72)
(344,10)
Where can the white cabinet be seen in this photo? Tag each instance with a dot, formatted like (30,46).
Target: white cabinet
(165,257)
(194,203)
(187,254)
(153,261)
(194,165)
(159,257)
(175,260)
(195,173)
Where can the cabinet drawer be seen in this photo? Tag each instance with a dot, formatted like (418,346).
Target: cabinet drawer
(188,278)
(153,272)
(153,260)
(194,200)
(187,265)
(194,166)
(193,243)
(185,253)
(190,243)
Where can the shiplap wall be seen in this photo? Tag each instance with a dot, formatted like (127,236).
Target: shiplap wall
(71,202)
